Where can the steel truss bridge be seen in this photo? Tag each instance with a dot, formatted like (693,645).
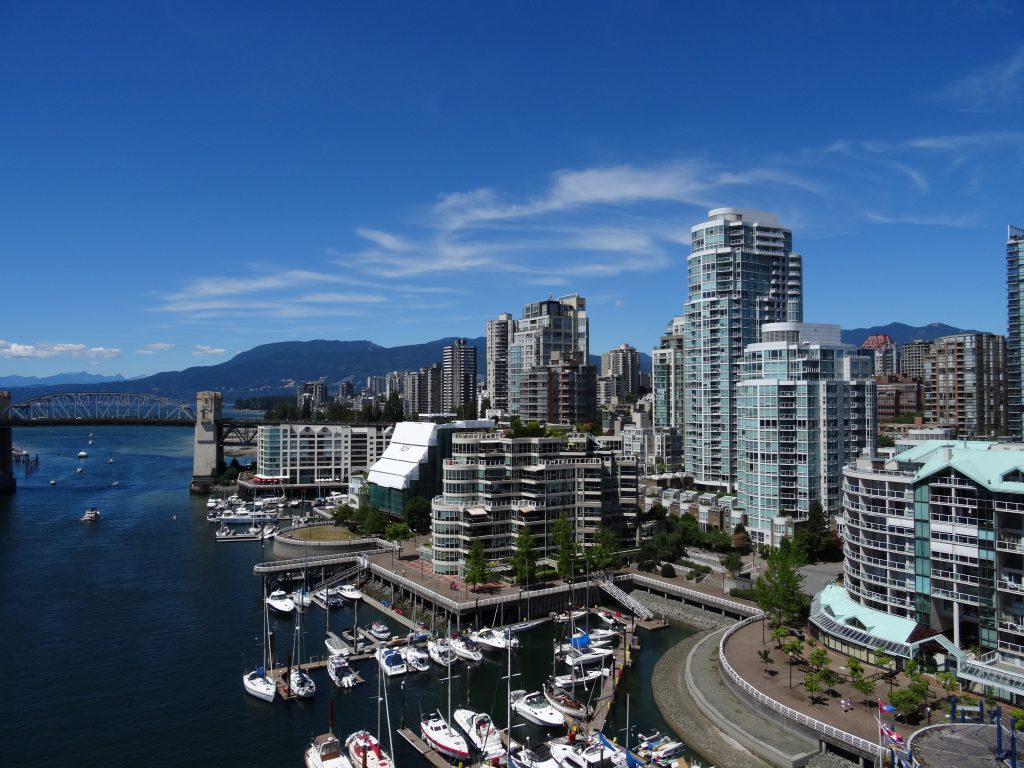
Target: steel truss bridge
(98,408)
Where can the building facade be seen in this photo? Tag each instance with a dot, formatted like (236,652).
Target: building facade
(966,375)
(934,542)
(896,396)
(1015,339)
(742,273)
(500,333)
(494,485)
(667,381)
(621,367)
(884,352)
(801,418)
(310,456)
(912,357)
(458,376)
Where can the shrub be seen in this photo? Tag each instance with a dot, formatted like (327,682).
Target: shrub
(668,571)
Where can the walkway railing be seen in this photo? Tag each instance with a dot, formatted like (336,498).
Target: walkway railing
(639,610)
(858,743)
(742,609)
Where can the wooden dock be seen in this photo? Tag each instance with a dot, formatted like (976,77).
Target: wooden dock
(427,752)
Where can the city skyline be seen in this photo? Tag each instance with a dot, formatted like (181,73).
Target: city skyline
(184,184)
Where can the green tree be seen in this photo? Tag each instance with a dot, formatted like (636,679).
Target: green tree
(813,685)
(478,570)
(524,559)
(766,658)
(733,563)
(819,659)
(865,687)
(605,551)
(374,521)
(793,648)
(779,634)
(779,590)
(393,410)
(417,514)
(854,667)
(564,538)
(813,533)
(906,702)
(398,532)
(948,681)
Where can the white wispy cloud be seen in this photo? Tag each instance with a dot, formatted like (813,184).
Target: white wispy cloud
(919,220)
(999,86)
(12,349)
(153,347)
(202,350)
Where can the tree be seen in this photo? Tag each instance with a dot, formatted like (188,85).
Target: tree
(865,687)
(374,521)
(393,410)
(813,685)
(906,702)
(854,667)
(417,514)
(794,648)
(813,533)
(397,532)
(605,551)
(948,681)
(779,634)
(478,570)
(563,537)
(733,563)
(766,658)
(778,591)
(524,560)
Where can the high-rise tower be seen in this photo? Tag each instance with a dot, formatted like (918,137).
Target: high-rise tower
(742,274)
(499,335)
(1015,342)
(458,377)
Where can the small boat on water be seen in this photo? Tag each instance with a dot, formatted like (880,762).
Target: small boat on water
(439,734)
(53,482)
(91,514)
(326,752)
(494,639)
(664,754)
(597,753)
(349,592)
(365,751)
(391,661)
(565,703)
(565,616)
(466,648)
(526,756)
(258,682)
(79,470)
(301,597)
(441,652)
(269,531)
(279,601)
(415,659)
(535,708)
(380,630)
(579,677)
(83,455)
(611,619)
(480,730)
(301,683)
(340,672)
(110,461)
(329,598)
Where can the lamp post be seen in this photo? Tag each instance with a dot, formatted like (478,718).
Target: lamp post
(928,709)
(790,670)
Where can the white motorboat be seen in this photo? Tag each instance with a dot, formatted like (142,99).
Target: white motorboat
(302,598)
(597,753)
(340,672)
(247,517)
(336,646)
(326,752)
(269,531)
(349,592)
(522,626)
(301,684)
(579,677)
(577,657)
(494,639)
(278,600)
(380,630)
(535,708)
(391,661)
(611,619)
(365,751)
(565,703)
(83,455)
(480,730)
(211,503)
(441,651)
(91,514)
(525,756)
(439,734)
(601,634)
(565,616)
(415,659)
(328,597)
(600,647)
(664,754)
(466,648)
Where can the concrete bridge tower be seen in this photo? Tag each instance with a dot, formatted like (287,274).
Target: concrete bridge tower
(7,482)
(208,452)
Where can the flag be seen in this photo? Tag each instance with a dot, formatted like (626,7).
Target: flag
(884,707)
(890,736)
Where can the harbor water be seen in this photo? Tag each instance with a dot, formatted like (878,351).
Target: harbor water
(127,637)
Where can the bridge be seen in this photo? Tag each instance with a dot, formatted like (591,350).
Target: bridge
(212,432)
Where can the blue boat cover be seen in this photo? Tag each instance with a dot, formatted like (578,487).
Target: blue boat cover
(580,641)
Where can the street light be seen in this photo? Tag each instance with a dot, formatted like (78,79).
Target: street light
(790,670)
(928,709)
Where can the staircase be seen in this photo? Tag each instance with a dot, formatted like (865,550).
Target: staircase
(639,610)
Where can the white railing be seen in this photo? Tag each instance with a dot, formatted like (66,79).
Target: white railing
(858,743)
(719,602)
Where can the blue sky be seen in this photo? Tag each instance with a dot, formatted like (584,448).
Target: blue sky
(181,182)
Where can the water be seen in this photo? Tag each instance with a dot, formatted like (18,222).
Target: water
(127,638)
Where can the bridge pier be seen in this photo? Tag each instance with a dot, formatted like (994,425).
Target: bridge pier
(7,482)
(208,451)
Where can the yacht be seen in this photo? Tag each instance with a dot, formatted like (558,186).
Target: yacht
(301,683)
(439,734)
(391,661)
(494,639)
(535,708)
(565,703)
(525,756)
(365,752)
(336,646)
(466,648)
(279,601)
(380,630)
(340,672)
(349,592)
(247,517)
(441,651)
(579,677)
(415,659)
(564,616)
(91,514)
(301,597)
(664,754)
(598,753)
(326,752)
(480,730)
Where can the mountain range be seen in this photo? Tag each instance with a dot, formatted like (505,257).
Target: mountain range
(277,368)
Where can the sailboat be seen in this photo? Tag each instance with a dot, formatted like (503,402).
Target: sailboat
(441,651)
(364,750)
(440,734)
(326,750)
(258,682)
(299,681)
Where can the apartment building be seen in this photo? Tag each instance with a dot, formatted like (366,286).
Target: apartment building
(966,375)
(310,456)
(667,376)
(494,485)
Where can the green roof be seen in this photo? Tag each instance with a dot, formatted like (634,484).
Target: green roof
(997,466)
(835,601)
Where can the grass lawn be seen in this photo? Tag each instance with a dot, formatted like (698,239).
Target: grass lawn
(323,533)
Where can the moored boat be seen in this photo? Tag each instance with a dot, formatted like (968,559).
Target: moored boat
(439,734)
(365,751)
(391,661)
(349,592)
(565,703)
(340,672)
(535,708)
(326,752)
(279,601)
(526,756)
(441,651)
(480,730)
(301,684)
(91,514)
(416,660)
(494,639)
(467,649)
(380,630)
(579,677)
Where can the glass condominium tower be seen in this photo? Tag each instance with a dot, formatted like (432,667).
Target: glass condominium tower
(742,273)
(1014,351)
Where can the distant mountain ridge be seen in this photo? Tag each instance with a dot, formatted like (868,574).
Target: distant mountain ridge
(902,333)
(81,377)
